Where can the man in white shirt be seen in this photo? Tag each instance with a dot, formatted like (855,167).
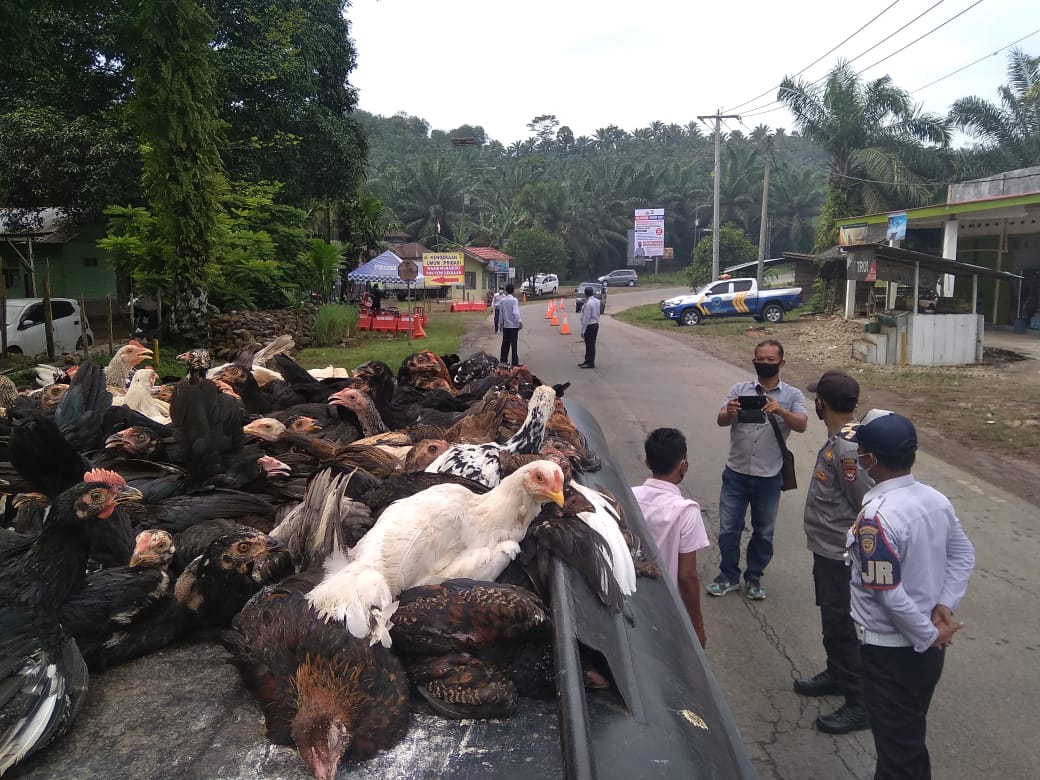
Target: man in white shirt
(509,320)
(590,327)
(674,522)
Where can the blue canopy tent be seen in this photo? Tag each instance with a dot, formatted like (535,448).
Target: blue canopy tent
(382,269)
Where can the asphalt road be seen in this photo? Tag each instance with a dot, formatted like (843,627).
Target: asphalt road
(983,716)
(183,713)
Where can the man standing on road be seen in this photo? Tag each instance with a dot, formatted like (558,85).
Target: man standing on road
(495,300)
(674,522)
(509,320)
(835,496)
(753,474)
(590,327)
(911,562)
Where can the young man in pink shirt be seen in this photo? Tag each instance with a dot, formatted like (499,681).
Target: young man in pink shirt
(674,522)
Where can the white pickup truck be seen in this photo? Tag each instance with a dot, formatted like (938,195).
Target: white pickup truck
(541,284)
(732,298)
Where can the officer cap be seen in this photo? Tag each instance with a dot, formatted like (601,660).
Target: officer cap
(838,389)
(887,435)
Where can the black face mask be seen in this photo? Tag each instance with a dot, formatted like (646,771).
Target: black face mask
(766,370)
(819,408)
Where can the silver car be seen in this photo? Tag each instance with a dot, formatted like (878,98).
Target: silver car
(623,277)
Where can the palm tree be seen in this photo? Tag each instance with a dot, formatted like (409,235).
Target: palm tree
(875,139)
(432,199)
(1011,130)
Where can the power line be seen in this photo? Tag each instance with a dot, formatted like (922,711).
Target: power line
(830,51)
(897,51)
(872,48)
(976,62)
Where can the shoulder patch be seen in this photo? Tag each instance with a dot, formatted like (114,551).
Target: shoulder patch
(878,560)
(850,468)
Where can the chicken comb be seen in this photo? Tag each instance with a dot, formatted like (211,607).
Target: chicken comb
(136,343)
(104,475)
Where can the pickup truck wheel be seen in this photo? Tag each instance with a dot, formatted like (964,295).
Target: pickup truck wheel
(79,342)
(773,313)
(690,317)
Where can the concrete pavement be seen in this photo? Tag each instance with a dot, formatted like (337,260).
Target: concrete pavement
(984,712)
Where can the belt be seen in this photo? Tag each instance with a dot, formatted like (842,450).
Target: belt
(868,637)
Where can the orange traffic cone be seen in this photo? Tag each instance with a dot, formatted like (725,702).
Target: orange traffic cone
(555,320)
(417,328)
(549,310)
(566,329)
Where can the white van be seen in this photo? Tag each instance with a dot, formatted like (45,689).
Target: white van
(25,327)
(544,284)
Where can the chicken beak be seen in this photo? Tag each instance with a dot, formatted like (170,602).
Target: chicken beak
(115,440)
(138,558)
(556,496)
(128,493)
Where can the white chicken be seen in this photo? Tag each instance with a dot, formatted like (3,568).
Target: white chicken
(483,462)
(440,533)
(139,397)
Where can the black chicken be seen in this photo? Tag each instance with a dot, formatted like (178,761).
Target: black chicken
(235,566)
(43,679)
(332,695)
(126,611)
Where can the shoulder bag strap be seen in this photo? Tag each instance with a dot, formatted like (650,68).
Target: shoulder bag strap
(776,425)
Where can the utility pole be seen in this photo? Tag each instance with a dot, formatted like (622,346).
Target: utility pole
(718,116)
(763,229)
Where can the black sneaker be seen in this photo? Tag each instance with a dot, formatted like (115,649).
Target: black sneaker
(822,684)
(849,717)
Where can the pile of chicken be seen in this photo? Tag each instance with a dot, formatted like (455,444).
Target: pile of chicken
(355,535)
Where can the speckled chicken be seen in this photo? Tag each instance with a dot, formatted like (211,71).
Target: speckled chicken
(482,462)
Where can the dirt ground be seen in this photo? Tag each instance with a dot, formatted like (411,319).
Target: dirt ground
(984,419)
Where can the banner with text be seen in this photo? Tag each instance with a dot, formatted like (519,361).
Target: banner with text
(649,234)
(442,267)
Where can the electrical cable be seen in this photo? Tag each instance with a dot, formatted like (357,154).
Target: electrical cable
(976,62)
(934,29)
(872,48)
(830,51)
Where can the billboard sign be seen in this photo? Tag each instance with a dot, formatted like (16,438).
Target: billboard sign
(896,227)
(648,236)
(851,235)
(442,267)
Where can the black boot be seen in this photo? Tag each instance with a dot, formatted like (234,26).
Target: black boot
(849,717)
(822,684)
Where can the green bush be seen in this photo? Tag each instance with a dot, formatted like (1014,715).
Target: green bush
(334,323)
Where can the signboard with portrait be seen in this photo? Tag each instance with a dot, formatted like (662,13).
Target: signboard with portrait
(648,236)
(442,267)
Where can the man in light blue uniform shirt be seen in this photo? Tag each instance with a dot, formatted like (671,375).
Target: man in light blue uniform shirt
(509,321)
(590,327)
(911,561)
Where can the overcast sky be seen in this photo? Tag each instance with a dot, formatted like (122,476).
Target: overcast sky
(593,63)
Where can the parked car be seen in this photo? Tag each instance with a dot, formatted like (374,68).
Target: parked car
(623,277)
(732,298)
(598,291)
(541,284)
(25,326)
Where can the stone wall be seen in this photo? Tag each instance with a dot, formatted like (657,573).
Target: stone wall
(232,332)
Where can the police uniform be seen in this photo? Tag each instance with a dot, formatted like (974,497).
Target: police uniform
(834,498)
(908,554)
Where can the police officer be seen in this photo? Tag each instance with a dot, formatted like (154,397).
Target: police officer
(911,561)
(834,499)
